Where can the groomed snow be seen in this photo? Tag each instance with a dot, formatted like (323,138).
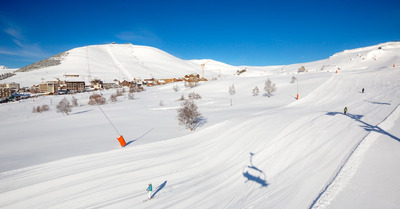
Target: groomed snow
(259,152)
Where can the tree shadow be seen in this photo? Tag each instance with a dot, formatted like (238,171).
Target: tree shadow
(159,188)
(80,112)
(252,173)
(200,122)
(368,127)
(131,141)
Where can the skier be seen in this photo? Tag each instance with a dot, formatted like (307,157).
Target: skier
(149,189)
(345,110)
(362,90)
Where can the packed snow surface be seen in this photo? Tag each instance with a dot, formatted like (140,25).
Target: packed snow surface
(247,152)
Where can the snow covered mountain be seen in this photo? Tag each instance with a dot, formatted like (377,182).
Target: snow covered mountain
(248,152)
(114,61)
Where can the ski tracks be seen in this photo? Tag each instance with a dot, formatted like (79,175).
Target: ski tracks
(118,64)
(351,164)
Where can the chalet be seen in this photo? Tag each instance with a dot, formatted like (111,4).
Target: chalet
(125,83)
(192,78)
(97,84)
(149,82)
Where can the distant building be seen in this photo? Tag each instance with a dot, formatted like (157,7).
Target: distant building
(97,84)
(110,85)
(75,85)
(5,93)
(13,86)
(35,89)
(149,82)
(49,87)
(125,83)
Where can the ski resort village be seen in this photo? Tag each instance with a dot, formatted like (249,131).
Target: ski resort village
(132,126)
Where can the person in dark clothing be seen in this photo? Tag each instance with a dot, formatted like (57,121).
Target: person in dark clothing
(362,90)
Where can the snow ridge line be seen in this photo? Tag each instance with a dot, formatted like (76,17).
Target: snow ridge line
(348,168)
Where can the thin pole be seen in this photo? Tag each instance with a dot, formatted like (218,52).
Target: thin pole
(297,85)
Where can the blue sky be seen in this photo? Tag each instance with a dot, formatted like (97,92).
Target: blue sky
(258,33)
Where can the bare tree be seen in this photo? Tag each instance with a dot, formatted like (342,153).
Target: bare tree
(232,89)
(269,87)
(302,69)
(74,102)
(293,79)
(176,88)
(97,99)
(130,96)
(188,115)
(182,98)
(45,108)
(194,96)
(118,92)
(39,109)
(64,106)
(113,97)
(256,91)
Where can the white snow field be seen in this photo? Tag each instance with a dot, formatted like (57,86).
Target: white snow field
(247,152)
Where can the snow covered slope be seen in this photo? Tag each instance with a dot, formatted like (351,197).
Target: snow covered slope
(259,152)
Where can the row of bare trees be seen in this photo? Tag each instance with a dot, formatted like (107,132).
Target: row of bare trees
(64,106)
(269,89)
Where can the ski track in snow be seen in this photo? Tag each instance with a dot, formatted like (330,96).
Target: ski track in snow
(350,166)
(117,64)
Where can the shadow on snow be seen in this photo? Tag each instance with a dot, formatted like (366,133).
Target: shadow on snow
(368,127)
(131,141)
(378,103)
(200,122)
(252,173)
(159,188)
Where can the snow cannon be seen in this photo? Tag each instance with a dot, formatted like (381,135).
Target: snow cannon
(121,141)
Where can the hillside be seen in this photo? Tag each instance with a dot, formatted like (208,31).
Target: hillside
(248,152)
